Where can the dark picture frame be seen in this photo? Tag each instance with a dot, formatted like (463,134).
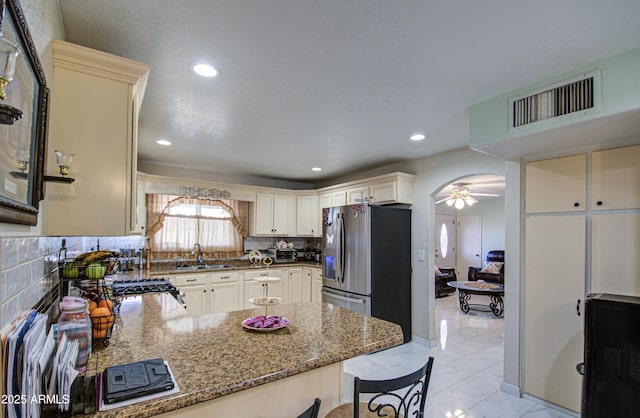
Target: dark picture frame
(21,192)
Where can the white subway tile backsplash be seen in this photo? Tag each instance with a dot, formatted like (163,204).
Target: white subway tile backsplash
(28,267)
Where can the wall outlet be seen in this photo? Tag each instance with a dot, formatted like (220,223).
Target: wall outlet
(420,255)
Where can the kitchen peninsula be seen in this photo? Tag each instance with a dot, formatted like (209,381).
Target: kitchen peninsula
(227,371)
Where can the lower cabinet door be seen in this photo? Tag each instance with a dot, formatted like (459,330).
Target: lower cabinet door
(254,289)
(223,297)
(295,285)
(196,299)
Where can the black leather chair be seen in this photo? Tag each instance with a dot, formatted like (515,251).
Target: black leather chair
(447,274)
(475,273)
(312,411)
(400,397)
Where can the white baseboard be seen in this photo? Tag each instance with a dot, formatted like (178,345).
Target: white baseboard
(510,389)
(424,341)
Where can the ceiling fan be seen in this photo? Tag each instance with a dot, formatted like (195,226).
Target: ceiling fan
(462,195)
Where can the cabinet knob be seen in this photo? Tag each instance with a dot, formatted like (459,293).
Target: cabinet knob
(599,203)
(576,204)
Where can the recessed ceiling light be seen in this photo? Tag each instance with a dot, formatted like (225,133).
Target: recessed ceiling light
(417,137)
(163,142)
(316,169)
(205,70)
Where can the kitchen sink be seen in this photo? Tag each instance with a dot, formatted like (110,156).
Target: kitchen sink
(202,267)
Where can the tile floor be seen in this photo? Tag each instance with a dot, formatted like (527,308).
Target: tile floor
(459,387)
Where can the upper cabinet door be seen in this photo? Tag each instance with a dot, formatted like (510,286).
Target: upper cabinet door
(615,178)
(557,185)
(308,216)
(264,214)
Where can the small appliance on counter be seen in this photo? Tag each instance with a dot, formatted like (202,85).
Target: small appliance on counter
(283,255)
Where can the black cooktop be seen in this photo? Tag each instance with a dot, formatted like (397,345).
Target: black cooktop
(133,287)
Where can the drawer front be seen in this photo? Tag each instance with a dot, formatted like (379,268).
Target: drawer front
(251,275)
(227,276)
(190,279)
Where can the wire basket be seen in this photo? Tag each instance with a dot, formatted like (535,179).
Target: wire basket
(72,270)
(102,322)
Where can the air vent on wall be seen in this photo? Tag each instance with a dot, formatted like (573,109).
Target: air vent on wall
(577,95)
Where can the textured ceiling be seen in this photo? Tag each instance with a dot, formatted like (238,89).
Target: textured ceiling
(339,84)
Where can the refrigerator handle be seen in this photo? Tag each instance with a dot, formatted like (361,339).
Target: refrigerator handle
(344,298)
(340,247)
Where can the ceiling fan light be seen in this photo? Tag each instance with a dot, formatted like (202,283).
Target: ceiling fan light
(459,203)
(450,201)
(470,200)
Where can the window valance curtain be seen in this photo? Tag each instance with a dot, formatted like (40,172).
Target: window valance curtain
(172,236)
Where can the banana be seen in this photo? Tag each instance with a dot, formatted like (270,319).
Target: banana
(92,256)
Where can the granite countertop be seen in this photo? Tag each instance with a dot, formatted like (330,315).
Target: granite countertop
(168,267)
(213,355)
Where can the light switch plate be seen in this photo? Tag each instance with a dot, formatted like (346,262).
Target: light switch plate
(420,255)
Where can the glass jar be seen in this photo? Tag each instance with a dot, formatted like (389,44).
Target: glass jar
(75,322)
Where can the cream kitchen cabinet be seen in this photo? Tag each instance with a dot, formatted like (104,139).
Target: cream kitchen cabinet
(274,214)
(615,178)
(615,245)
(335,198)
(194,290)
(206,293)
(313,277)
(357,195)
(308,216)
(254,288)
(316,285)
(557,185)
(299,285)
(223,292)
(94,110)
(555,290)
(599,246)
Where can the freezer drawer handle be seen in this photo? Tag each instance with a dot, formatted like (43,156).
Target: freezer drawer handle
(344,298)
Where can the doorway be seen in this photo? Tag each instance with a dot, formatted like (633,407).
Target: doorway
(445,241)
(458,241)
(469,242)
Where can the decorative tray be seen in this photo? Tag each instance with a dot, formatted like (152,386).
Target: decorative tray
(265,323)
(265,301)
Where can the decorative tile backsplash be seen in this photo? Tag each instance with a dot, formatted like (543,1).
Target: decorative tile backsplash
(28,267)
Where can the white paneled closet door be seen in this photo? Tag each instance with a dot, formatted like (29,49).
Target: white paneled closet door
(554,296)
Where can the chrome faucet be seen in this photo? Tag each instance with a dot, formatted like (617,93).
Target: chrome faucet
(198,253)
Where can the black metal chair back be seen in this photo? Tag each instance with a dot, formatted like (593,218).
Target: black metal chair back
(400,397)
(313,410)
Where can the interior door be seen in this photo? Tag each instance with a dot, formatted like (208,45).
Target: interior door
(469,243)
(445,240)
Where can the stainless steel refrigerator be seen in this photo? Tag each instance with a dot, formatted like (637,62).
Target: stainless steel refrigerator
(367,261)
